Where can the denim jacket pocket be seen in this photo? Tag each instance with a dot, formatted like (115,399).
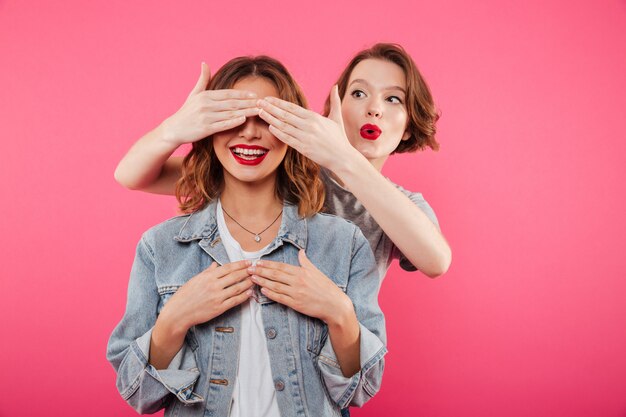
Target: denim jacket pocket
(316,334)
(165,293)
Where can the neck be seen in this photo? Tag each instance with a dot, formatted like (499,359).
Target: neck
(254,201)
(378,163)
(253,206)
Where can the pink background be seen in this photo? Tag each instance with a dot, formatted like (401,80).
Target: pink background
(528,186)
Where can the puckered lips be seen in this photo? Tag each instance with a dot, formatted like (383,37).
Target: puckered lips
(370,131)
(249,154)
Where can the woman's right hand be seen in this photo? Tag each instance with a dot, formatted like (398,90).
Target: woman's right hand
(208,295)
(206,112)
(202,298)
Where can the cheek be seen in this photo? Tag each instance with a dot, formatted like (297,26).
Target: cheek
(348,110)
(400,119)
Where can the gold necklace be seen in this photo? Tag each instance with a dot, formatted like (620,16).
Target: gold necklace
(257,236)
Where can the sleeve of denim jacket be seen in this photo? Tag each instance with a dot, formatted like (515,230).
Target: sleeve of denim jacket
(363,287)
(144,387)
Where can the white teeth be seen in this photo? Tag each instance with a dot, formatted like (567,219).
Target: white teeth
(242,151)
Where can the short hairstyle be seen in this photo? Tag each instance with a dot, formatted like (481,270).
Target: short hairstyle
(298,180)
(420,106)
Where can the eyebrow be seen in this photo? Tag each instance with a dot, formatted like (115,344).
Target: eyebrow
(394,87)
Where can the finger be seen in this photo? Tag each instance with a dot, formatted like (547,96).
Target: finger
(229,94)
(273,275)
(275,286)
(233,278)
(280,125)
(236,300)
(335,106)
(278,266)
(282,115)
(304,260)
(290,107)
(228,124)
(237,289)
(235,104)
(279,298)
(203,81)
(231,267)
(212,267)
(285,138)
(231,114)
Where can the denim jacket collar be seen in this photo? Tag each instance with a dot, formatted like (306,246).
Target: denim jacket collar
(202,225)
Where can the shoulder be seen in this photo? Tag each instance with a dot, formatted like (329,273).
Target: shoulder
(414,196)
(331,186)
(331,221)
(419,200)
(167,229)
(332,227)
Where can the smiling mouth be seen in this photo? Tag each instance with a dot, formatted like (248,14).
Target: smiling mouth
(249,155)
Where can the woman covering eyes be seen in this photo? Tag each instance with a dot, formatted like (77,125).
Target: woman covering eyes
(380,106)
(252,303)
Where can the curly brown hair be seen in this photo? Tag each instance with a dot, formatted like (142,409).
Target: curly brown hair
(421,110)
(297,180)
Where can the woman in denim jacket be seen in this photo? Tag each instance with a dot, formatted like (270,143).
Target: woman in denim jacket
(208,328)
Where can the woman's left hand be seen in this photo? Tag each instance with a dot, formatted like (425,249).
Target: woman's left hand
(322,139)
(303,288)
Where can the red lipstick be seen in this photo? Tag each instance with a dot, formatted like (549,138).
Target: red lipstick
(370,131)
(249,154)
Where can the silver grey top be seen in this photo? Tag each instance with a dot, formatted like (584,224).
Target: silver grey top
(343,203)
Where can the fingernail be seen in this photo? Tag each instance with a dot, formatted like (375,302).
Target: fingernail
(252,95)
(249,293)
(254,278)
(251,269)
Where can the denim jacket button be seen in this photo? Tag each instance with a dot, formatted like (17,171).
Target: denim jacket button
(279,385)
(271,333)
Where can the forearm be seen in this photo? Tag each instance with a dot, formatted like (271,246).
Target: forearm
(344,334)
(144,165)
(417,237)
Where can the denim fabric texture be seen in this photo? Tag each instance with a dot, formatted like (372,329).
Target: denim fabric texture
(200,378)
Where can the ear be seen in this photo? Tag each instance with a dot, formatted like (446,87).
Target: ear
(406,135)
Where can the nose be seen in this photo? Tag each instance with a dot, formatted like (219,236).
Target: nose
(374,108)
(251,129)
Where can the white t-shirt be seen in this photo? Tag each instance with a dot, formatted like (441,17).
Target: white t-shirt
(254,393)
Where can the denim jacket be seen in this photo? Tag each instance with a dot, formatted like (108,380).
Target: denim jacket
(199,381)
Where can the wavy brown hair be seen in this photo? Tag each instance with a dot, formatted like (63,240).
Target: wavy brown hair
(297,180)
(420,106)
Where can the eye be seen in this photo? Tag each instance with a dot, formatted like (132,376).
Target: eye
(394,99)
(357,94)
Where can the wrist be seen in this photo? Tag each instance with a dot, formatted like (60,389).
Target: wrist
(351,167)
(343,315)
(171,325)
(166,137)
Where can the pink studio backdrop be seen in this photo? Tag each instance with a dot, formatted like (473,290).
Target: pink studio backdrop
(528,186)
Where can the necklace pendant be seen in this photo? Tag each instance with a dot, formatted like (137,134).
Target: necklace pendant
(257,238)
